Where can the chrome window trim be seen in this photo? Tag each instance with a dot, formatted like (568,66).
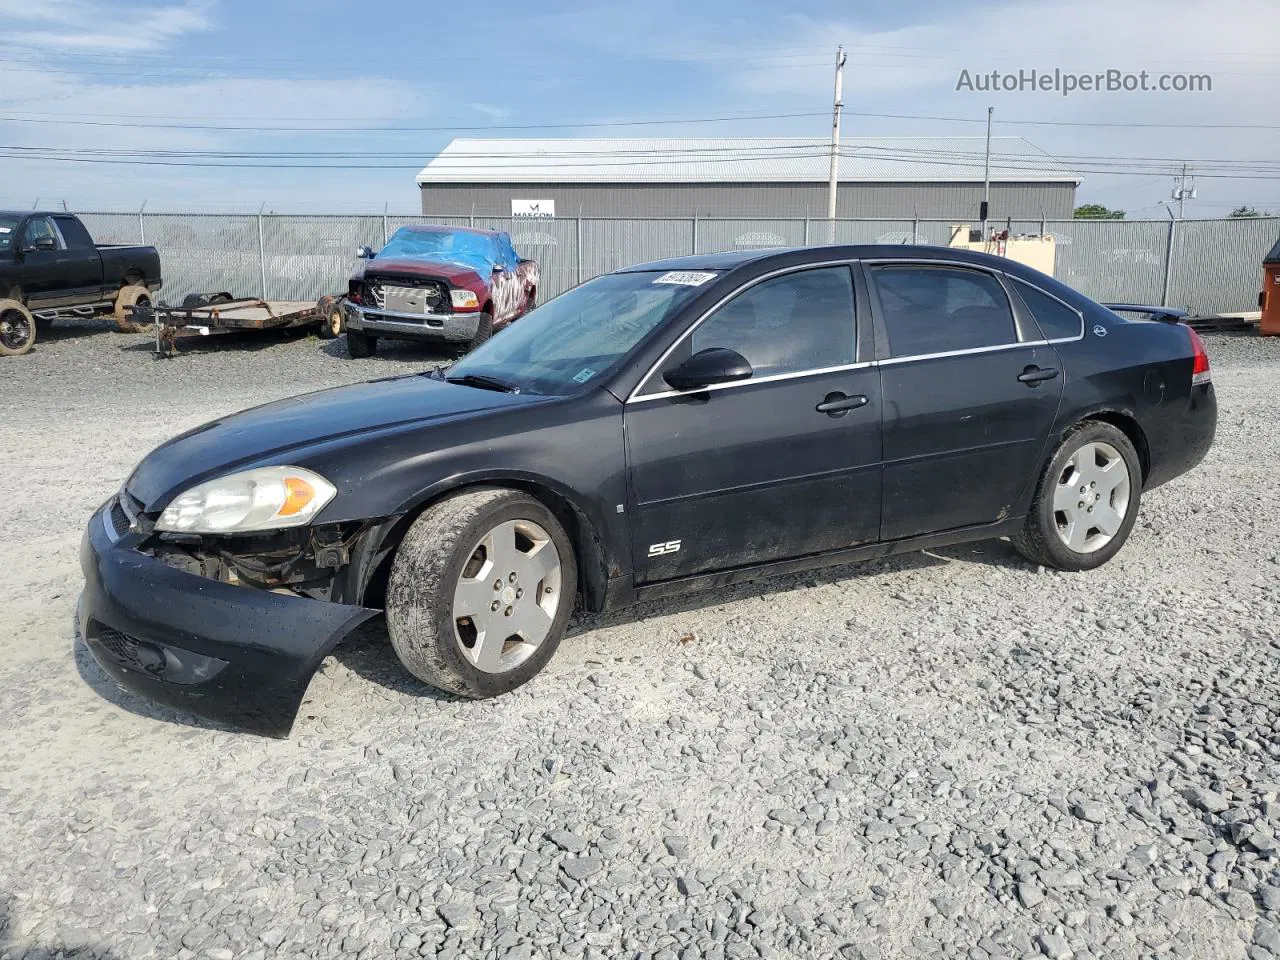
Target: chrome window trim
(1042,290)
(942,354)
(644,381)
(772,378)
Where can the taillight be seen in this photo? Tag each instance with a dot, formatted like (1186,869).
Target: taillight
(1200,372)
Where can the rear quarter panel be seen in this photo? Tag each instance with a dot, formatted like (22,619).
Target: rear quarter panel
(1141,370)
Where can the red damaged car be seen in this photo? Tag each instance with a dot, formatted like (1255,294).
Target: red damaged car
(448,284)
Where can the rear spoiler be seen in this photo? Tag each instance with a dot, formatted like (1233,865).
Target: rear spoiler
(1147,312)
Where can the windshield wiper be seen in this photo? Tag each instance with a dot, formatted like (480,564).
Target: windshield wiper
(484,382)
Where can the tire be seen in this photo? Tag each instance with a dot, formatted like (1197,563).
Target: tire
(331,321)
(17,329)
(1067,526)
(126,299)
(435,581)
(361,345)
(484,330)
(531,302)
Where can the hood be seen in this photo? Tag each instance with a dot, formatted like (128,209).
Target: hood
(285,431)
(454,271)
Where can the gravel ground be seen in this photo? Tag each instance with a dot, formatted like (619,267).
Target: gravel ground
(944,755)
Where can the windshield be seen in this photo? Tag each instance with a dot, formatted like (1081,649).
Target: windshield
(575,339)
(460,247)
(7,227)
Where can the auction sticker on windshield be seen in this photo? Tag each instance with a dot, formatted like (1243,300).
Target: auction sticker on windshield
(686,278)
(584,375)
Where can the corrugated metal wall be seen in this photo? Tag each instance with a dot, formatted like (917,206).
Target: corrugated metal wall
(1215,264)
(930,200)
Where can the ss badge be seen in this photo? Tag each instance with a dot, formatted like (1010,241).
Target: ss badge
(659,549)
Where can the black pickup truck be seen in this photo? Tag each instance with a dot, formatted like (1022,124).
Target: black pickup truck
(50,266)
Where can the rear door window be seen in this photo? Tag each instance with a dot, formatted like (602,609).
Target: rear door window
(74,233)
(941,309)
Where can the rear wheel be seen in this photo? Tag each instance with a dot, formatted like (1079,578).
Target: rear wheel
(17,329)
(1086,501)
(130,296)
(480,592)
(361,345)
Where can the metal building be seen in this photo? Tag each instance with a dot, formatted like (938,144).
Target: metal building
(905,177)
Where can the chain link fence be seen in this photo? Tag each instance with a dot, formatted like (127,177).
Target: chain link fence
(1205,266)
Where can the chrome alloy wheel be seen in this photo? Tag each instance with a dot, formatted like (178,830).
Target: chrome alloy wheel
(506,598)
(1091,499)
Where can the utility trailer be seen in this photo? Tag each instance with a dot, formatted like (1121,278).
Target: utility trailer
(204,315)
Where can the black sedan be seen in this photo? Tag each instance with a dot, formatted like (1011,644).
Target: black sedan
(670,427)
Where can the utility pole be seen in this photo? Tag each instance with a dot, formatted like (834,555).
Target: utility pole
(986,179)
(835,147)
(1182,193)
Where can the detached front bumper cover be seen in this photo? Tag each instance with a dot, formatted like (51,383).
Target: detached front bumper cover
(238,655)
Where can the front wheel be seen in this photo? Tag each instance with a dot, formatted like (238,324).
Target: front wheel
(1086,501)
(480,592)
(484,330)
(17,329)
(361,345)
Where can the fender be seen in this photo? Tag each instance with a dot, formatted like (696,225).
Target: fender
(597,562)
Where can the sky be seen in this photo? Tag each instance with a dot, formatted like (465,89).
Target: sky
(168,85)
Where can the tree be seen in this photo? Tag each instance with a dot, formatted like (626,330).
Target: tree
(1096,211)
(1245,211)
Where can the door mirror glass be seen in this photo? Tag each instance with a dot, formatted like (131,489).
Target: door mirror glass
(499,268)
(364,253)
(707,367)
(43,243)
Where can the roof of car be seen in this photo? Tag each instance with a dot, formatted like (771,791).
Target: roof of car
(446,228)
(736,258)
(32,213)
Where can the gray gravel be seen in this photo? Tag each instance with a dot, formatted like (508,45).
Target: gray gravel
(942,755)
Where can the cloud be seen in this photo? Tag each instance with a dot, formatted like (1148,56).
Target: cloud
(87,25)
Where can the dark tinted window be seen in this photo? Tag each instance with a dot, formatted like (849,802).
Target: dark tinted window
(796,322)
(1056,319)
(940,309)
(74,233)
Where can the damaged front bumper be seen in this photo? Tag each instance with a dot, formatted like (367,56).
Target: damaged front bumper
(451,327)
(235,654)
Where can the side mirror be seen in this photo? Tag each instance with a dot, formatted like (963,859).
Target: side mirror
(43,243)
(364,253)
(499,268)
(707,367)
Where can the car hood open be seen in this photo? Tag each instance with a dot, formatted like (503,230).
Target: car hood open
(283,431)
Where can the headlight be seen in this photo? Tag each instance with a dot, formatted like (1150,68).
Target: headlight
(464,298)
(269,498)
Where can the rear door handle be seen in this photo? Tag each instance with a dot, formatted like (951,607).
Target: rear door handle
(838,404)
(1034,375)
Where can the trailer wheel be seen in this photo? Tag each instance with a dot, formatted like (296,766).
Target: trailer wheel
(331,321)
(361,345)
(129,297)
(17,329)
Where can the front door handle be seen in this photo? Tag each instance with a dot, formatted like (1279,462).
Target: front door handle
(838,404)
(1034,375)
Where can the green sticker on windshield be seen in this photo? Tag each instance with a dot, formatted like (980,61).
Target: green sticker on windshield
(584,375)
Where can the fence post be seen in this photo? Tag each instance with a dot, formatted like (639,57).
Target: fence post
(694,251)
(806,231)
(262,254)
(915,230)
(578,249)
(142,225)
(384,224)
(1168,263)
